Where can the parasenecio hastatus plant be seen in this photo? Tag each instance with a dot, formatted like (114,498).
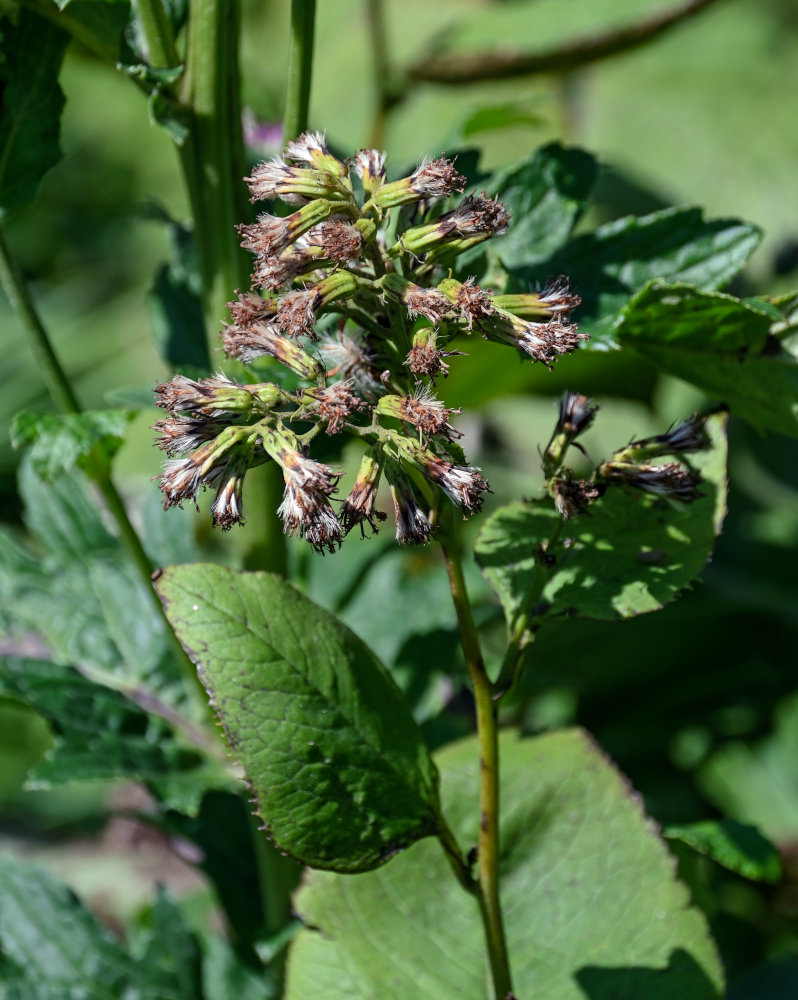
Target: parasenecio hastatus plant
(353,293)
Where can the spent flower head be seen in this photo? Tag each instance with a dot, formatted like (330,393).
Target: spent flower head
(361,310)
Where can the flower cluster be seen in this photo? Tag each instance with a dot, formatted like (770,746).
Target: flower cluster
(353,293)
(638,465)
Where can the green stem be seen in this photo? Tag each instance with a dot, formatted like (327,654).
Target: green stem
(212,156)
(66,401)
(300,66)
(157,31)
(487,733)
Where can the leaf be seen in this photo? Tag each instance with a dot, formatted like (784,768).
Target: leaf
(175,300)
(56,943)
(608,266)
(545,195)
(632,554)
(58,442)
(98,732)
(30,113)
(168,959)
(591,903)
(52,948)
(340,772)
(499,115)
(720,344)
(739,848)
(99,613)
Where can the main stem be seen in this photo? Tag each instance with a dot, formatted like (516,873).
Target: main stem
(488,736)
(300,65)
(62,394)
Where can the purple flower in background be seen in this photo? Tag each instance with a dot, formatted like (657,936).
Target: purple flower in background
(261,138)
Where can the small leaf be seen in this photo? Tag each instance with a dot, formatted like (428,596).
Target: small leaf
(58,442)
(501,115)
(591,904)
(338,766)
(632,554)
(53,939)
(175,300)
(738,847)
(31,103)
(545,195)
(721,344)
(98,732)
(168,958)
(608,266)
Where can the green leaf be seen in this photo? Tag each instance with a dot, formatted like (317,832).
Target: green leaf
(340,771)
(545,195)
(499,115)
(58,442)
(608,266)
(57,944)
(632,554)
(98,732)
(591,903)
(720,344)
(98,611)
(52,948)
(175,300)
(30,113)
(168,958)
(738,847)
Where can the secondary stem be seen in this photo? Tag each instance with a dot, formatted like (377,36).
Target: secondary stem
(521,634)
(66,401)
(300,65)
(488,736)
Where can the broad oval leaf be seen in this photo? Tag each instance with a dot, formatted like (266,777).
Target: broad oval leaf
(720,344)
(30,111)
(591,902)
(339,768)
(632,554)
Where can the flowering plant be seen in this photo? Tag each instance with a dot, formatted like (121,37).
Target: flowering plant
(398,804)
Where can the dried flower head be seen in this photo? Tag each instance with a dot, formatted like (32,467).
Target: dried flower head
(360,312)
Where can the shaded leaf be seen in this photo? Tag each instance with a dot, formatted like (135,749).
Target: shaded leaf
(591,902)
(338,766)
(739,848)
(545,194)
(97,732)
(60,441)
(168,958)
(720,344)
(53,939)
(175,300)
(631,555)
(608,266)
(30,113)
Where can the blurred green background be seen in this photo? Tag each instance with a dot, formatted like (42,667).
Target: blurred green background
(698,704)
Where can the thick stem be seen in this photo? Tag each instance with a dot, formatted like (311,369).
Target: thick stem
(300,65)
(66,401)
(212,156)
(488,736)
(157,31)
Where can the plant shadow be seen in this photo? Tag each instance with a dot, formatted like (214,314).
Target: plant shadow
(682,977)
